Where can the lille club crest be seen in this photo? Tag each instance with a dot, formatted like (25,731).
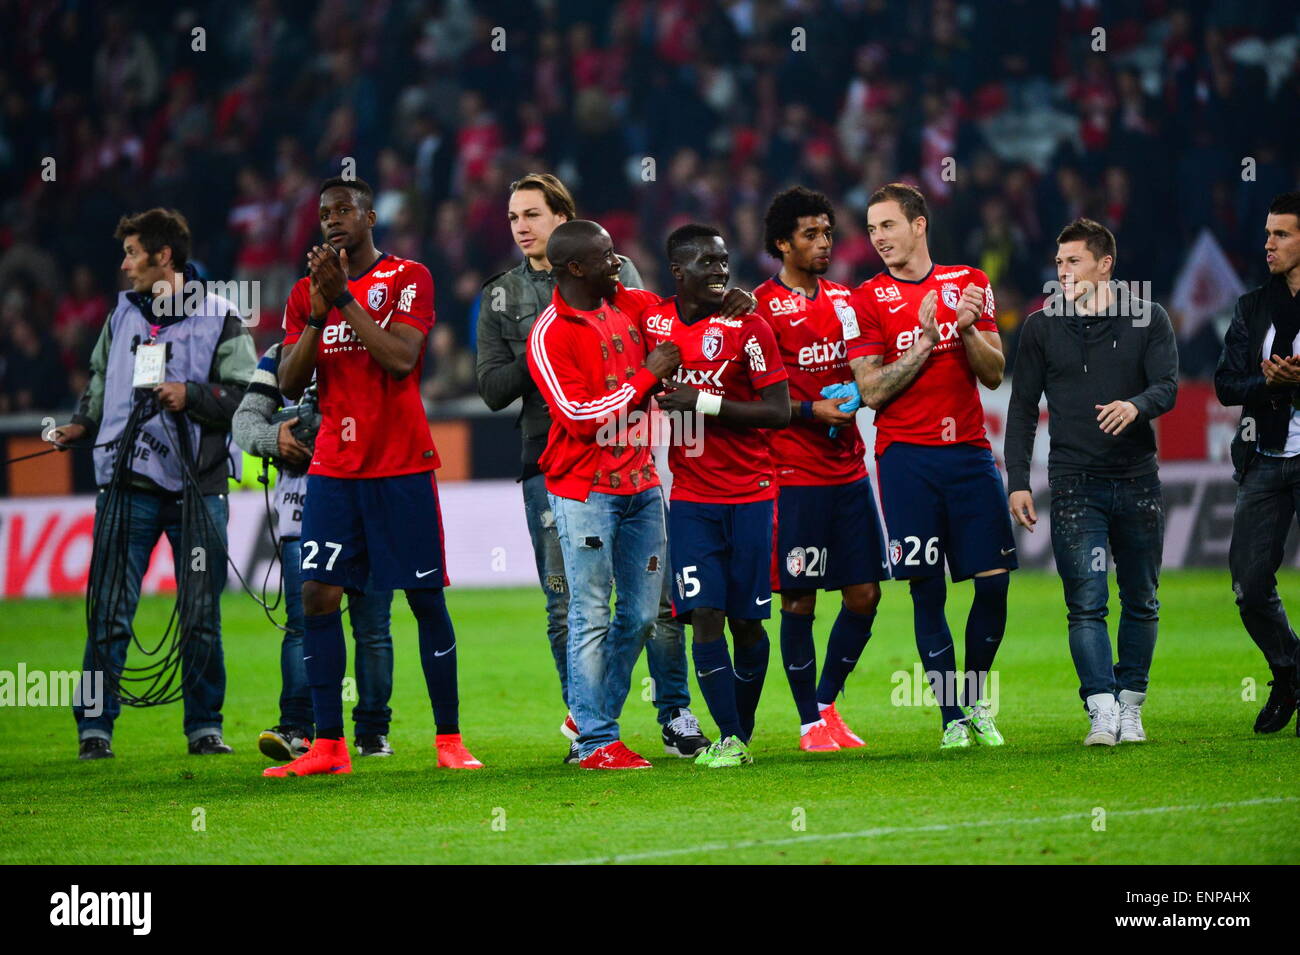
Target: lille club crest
(795,561)
(950,295)
(377,295)
(895,552)
(711,344)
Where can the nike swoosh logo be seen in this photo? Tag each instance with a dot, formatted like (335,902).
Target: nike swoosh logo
(443,653)
(710,673)
(939,651)
(419,575)
(793,323)
(305,659)
(794,669)
(847,660)
(761,602)
(893,310)
(1008,551)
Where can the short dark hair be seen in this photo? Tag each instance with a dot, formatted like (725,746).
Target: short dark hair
(686,235)
(558,198)
(908,197)
(1287,204)
(785,211)
(359,186)
(158,228)
(1099,240)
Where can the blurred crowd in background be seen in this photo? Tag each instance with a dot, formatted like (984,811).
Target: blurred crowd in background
(654,112)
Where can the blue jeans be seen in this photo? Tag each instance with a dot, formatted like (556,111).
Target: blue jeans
(612,543)
(666,646)
(143,518)
(1088,513)
(370,616)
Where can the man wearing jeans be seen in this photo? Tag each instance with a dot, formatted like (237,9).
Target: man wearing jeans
(1260,370)
(511,303)
(1108,363)
(166,375)
(370,612)
(590,364)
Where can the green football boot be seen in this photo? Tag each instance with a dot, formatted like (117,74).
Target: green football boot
(706,756)
(982,725)
(956,735)
(731,752)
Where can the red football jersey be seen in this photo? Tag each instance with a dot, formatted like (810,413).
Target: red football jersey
(733,358)
(811,334)
(941,405)
(372,424)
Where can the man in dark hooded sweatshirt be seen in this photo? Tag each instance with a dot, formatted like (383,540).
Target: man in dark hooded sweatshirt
(1109,364)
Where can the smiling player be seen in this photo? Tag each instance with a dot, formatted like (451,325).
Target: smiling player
(720,521)
(927,335)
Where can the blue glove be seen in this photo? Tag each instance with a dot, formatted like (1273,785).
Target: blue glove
(847,397)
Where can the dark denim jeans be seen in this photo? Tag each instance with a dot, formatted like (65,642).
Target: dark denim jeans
(203,670)
(370,614)
(665,648)
(1268,500)
(1090,516)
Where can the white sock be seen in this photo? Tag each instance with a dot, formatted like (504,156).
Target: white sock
(822,707)
(805,727)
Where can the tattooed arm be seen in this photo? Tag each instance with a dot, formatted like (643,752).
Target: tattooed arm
(877,382)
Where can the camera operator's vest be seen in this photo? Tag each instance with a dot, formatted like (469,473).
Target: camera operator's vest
(191,346)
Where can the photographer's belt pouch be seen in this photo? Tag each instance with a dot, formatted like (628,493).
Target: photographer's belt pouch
(150,366)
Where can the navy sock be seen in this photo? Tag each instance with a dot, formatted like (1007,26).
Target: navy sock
(799,657)
(718,684)
(751,670)
(934,643)
(325,655)
(849,635)
(437,656)
(985,626)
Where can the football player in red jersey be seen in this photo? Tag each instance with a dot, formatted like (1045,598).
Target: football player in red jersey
(927,334)
(828,532)
(360,322)
(723,493)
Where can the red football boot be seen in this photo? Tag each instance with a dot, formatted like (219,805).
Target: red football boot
(327,756)
(840,731)
(452,753)
(818,739)
(569,728)
(615,756)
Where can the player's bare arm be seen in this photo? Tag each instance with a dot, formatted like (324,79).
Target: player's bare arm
(771,410)
(983,349)
(397,349)
(297,365)
(878,382)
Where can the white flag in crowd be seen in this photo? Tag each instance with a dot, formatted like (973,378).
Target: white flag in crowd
(1206,286)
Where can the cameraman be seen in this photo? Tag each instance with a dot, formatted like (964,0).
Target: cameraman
(257,430)
(199,357)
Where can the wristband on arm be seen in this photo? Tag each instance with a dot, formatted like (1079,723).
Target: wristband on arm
(805,409)
(706,403)
(344,300)
(314,322)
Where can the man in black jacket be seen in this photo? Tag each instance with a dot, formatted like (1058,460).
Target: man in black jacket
(1108,362)
(1260,370)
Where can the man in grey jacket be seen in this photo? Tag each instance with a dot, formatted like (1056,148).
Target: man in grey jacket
(511,302)
(1108,362)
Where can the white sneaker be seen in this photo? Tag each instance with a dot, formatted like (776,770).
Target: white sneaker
(1103,710)
(1130,717)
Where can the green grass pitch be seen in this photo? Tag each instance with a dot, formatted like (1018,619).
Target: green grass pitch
(1204,790)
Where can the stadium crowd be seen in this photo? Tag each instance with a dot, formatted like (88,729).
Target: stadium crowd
(655,112)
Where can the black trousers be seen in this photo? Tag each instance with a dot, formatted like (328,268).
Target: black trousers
(1268,500)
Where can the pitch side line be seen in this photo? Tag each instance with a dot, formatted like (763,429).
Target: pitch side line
(897,830)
